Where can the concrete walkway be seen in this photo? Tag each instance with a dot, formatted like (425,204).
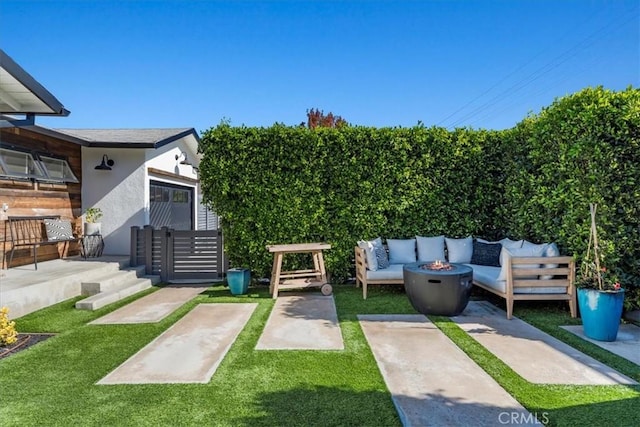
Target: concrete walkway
(188,352)
(534,355)
(627,343)
(302,322)
(432,382)
(153,307)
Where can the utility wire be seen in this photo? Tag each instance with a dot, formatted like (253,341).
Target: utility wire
(553,64)
(499,82)
(566,76)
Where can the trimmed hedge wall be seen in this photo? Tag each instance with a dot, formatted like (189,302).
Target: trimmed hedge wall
(287,184)
(583,148)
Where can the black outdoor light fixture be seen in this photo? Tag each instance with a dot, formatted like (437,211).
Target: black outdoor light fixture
(185,161)
(106,164)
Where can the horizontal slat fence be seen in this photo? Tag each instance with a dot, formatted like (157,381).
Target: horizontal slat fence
(178,254)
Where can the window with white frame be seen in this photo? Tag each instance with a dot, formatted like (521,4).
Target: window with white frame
(17,164)
(57,169)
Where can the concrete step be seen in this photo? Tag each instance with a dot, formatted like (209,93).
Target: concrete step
(26,290)
(100,270)
(126,289)
(111,280)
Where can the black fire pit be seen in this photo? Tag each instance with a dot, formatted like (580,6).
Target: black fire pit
(438,288)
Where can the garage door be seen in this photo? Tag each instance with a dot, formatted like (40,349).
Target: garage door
(171,206)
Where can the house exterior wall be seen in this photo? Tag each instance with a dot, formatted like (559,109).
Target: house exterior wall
(116,192)
(29,198)
(123,192)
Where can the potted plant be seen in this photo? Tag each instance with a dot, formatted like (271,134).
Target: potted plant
(600,296)
(91,226)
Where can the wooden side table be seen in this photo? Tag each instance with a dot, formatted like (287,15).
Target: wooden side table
(315,277)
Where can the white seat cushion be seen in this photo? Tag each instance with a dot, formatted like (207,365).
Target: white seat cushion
(393,272)
(488,276)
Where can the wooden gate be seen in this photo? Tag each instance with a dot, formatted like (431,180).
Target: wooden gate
(178,254)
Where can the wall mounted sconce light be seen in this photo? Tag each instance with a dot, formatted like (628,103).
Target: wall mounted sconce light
(185,161)
(106,164)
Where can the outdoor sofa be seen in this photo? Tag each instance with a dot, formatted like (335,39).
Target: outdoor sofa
(511,269)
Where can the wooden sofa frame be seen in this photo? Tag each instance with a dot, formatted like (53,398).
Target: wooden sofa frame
(361,274)
(563,276)
(29,231)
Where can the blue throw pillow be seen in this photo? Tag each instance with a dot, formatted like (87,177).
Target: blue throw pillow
(381,255)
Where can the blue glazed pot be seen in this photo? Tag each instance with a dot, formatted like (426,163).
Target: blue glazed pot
(238,280)
(600,312)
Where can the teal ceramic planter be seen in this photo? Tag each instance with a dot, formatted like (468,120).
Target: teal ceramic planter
(238,280)
(600,312)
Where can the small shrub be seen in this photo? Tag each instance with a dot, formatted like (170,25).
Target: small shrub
(8,334)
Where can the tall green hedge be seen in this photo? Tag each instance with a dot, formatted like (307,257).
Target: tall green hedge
(582,149)
(285,184)
(291,184)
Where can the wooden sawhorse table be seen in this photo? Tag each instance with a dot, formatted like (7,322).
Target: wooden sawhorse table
(316,277)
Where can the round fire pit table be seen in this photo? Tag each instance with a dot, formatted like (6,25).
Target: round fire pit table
(443,292)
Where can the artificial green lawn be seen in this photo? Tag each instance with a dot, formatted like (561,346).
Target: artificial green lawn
(53,383)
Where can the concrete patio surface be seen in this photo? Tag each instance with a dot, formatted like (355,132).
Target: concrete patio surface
(627,343)
(432,382)
(305,321)
(534,355)
(24,289)
(27,275)
(190,351)
(153,307)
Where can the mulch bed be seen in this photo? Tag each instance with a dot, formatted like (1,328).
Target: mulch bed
(24,342)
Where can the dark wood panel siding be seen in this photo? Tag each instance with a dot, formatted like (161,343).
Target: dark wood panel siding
(36,198)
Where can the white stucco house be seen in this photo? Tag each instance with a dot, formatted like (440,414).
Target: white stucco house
(141,177)
(136,177)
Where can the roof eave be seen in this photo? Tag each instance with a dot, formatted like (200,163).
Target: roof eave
(32,84)
(156,144)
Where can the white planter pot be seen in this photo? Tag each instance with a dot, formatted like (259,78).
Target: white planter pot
(92,228)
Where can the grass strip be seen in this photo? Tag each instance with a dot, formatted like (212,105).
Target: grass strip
(53,383)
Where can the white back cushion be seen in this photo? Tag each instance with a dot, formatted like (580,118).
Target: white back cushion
(430,248)
(459,250)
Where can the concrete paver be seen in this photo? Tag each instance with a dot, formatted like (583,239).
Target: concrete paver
(534,355)
(189,351)
(432,382)
(305,321)
(153,307)
(627,343)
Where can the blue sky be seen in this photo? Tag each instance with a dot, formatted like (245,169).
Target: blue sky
(483,64)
